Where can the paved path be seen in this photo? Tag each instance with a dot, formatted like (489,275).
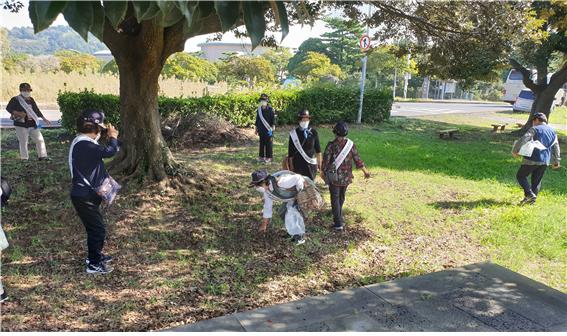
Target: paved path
(424,109)
(478,297)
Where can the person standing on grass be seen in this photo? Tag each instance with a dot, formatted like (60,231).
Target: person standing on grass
(536,164)
(265,127)
(337,170)
(303,146)
(87,169)
(25,114)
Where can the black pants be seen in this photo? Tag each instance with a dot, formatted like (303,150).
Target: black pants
(300,166)
(338,194)
(536,171)
(266,145)
(88,210)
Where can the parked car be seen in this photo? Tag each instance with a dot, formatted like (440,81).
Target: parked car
(526,98)
(524,101)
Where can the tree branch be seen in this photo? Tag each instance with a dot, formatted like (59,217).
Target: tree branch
(526,74)
(174,40)
(559,78)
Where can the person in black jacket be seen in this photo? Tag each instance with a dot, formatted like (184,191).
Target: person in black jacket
(87,171)
(308,141)
(25,114)
(265,127)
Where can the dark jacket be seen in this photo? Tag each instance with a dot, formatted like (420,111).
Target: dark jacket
(310,145)
(87,159)
(14,105)
(268,114)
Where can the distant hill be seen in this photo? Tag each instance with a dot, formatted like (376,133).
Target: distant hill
(48,41)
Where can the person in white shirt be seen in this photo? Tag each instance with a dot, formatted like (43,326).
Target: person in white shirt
(281,186)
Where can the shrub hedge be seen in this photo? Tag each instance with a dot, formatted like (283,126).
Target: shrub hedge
(327,104)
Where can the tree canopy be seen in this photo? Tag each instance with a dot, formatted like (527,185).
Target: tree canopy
(315,67)
(185,66)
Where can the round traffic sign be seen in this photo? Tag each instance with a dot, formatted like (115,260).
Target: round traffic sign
(364,42)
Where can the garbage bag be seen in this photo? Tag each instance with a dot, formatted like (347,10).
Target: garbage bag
(294,223)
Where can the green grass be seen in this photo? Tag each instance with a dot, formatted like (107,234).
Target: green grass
(431,204)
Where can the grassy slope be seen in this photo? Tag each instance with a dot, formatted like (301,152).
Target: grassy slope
(431,204)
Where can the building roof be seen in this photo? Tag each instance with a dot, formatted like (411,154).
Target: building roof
(219,43)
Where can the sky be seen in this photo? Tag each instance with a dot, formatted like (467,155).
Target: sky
(296,36)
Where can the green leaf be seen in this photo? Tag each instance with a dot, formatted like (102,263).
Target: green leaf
(228,13)
(115,11)
(254,21)
(282,14)
(97,28)
(145,10)
(188,9)
(169,13)
(43,13)
(79,15)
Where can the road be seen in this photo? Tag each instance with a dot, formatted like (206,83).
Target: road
(52,115)
(425,109)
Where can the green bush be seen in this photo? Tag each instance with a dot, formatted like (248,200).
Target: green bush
(327,104)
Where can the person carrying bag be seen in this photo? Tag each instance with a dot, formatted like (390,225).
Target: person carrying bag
(337,170)
(92,185)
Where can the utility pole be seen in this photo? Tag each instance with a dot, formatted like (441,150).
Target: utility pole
(395,79)
(407,76)
(363,76)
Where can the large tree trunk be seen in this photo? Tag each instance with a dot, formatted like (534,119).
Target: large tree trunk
(144,151)
(140,51)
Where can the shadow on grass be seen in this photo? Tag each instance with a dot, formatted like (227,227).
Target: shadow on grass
(413,145)
(469,205)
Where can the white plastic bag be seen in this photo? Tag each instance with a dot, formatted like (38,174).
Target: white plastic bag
(528,148)
(3,240)
(294,223)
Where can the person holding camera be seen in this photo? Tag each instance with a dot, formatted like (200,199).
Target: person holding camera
(25,114)
(88,171)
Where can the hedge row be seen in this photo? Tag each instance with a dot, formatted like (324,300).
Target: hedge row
(327,104)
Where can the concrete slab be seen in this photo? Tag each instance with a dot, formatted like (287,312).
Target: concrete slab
(223,323)
(308,311)
(479,297)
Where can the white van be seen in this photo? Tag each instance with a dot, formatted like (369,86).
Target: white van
(526,99)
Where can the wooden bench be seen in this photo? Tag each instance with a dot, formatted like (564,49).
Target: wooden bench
(495,127)
(448,133)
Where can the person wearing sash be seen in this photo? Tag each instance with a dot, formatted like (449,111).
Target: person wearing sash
(536,164)
(337,170)
(281,186)
(303,146)
(265,127)
(87,169)
(25,114)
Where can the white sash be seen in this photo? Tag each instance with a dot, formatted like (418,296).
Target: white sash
(29,110)
(78,139)
(295,140)
(343,154)
(268,127)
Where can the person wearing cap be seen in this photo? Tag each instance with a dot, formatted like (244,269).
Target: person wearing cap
(536,164)
(25,114)
(265,127)
(281,186)
(337,170)
(303,146)
(88,171)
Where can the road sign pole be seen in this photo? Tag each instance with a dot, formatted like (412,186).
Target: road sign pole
(362,81)
(366,46)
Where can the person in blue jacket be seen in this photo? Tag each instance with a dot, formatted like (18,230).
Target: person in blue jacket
(536,164)
(265,127)
(88,171)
